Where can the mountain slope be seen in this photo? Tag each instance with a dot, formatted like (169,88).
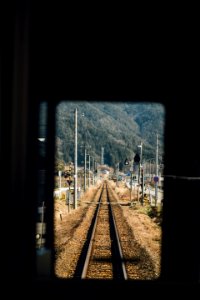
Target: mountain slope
(118,127)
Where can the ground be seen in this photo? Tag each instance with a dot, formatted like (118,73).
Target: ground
(147,230)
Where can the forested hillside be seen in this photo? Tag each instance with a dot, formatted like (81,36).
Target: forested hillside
(119,127)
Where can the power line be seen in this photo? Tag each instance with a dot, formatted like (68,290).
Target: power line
(182,177)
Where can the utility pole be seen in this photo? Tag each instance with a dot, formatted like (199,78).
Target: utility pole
(117,172)
(131,182)
(85,157)
(88,170)
(139,175)
(97,166)
(141,170)
(150,170)
(102,155)
(156,183)
(75,159)
(60,174)
(85,168)
(93,171)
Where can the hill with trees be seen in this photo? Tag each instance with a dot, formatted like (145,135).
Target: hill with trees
(119,127)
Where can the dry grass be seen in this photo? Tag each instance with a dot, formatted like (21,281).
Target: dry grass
(146,231)
(68,230)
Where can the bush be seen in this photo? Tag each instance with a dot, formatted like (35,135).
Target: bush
(152,211)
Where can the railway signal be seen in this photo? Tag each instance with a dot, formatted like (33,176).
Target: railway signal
(66,174)
(137,158)
(156,178)
(69,181)
(126,162)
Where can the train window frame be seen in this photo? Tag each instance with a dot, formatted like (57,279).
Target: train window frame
(49,250)
(31,75)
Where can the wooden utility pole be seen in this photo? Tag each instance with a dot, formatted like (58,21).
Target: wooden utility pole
(88,170)
(156,183)
(85,168)
(75,159)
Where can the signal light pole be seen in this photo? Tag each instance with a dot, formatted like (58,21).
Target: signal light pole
(131,183)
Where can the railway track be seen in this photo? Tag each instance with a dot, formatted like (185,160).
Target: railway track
(103,245)
(111,251)
(104,259)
